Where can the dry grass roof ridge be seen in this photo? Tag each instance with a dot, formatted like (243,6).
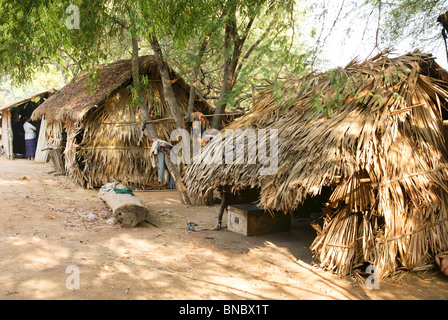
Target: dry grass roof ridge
(79,96)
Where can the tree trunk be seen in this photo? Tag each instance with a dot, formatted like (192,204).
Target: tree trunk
(227,86)
(195,74)
(177,180)
(231,67)
(150,128)
(230,64)
(221,105)
(136,83)
(166,81)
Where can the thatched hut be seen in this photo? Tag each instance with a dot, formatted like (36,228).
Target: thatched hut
(373,133)
(13,116)
(100,135)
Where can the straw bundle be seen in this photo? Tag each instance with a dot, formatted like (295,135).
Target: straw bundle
(373,131)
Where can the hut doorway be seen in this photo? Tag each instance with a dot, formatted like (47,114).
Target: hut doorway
(13,116)
(18,116)
(313,206)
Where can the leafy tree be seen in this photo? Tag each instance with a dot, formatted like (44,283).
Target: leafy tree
(415,19)
(222,41)
(389,23)
(35,35)
(210,41)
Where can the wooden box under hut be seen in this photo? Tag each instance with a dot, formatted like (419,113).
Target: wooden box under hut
(251,220)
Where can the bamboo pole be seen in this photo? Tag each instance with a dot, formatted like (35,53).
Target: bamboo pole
(42,155)
(7,135)
(165,119)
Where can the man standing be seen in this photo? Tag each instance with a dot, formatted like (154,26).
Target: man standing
(157,148)
(30,139)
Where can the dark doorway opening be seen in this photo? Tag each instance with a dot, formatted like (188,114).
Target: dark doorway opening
(18,116)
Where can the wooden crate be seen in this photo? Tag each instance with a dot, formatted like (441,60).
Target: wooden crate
(250,220)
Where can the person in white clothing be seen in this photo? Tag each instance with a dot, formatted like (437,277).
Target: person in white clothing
(30,139)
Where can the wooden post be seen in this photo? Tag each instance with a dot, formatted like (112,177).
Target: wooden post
(55,155)
(41,151)
(7,135)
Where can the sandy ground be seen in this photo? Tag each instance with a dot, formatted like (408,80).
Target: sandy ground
(47,225)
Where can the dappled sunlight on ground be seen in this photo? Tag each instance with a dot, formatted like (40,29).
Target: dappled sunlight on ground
(44,231)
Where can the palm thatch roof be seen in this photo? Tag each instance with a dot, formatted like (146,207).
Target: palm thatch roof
(373,132)
(41,94)
(90,89)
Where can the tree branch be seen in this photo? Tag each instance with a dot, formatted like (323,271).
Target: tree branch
(201,52)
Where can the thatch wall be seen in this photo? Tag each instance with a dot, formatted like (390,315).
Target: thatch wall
(109,145)
(373,131)
(104,137)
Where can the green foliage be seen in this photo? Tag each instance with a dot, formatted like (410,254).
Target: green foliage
(41,82)
(35,36)
(178,20)
(411,19)
(339,88)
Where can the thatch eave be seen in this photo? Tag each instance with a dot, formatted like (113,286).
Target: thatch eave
(45,93)
(300,122)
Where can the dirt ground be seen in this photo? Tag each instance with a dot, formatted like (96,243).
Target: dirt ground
(47,224)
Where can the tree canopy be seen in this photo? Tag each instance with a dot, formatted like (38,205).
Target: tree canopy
(35,35)
(225,49)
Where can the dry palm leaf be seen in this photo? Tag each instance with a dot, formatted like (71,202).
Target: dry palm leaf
(374,131)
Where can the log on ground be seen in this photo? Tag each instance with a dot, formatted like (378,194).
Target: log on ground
(129,210)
